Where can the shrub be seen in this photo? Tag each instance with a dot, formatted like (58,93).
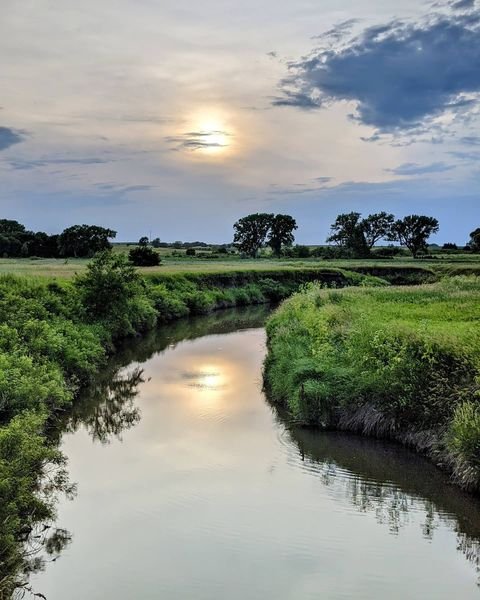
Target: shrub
(190,252)
(144,256)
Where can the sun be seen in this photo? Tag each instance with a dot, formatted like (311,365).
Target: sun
(213,137)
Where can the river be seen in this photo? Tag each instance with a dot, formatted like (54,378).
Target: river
(192,487)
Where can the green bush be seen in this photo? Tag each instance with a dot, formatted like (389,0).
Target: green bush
(144,256)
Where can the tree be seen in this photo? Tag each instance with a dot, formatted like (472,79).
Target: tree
(413,232)
(474,243)
(347,231)
(251,232)
(377,226)
(281,233)
(156,242)
(143,241)
(85,240)
(144,256)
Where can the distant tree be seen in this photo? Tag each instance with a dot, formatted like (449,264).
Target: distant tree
(474,243)
(190,252)
(347,231)
(144,256)
(143,241)
(156,242)
(9,227)
(281,233)
(251,232)
(376,227)
(449,246)
(85,240)
(413,232)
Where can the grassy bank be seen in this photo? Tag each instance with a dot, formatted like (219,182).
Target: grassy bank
(399,270)
(54,337)
(402,363)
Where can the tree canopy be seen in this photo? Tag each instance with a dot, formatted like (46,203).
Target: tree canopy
(251,232)
(474,243)
(254,231)
(281,233)
(413,232)
(85,240)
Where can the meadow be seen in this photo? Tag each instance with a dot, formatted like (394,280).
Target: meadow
(396,362)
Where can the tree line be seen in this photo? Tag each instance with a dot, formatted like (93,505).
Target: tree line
(353,235)
(78,241)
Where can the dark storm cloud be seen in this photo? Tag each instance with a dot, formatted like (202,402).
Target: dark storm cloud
(416,169)
(197,140)
(21,164)
(9,137)
(400,74)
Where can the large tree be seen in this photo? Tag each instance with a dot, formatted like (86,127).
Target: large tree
(85,240)
(281,233)
(474,243)
(347,231)
(251,232)
(376,227)
(413,232)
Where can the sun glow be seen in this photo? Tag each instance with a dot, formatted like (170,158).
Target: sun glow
(213,137)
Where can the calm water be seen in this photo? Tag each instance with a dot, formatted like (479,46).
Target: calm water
(190,487)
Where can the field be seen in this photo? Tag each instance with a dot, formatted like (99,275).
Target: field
(175,261)
(399,362)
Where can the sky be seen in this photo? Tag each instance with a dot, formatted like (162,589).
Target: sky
(173,119)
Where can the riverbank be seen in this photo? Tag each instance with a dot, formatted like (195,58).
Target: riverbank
(54,337)
(399,363)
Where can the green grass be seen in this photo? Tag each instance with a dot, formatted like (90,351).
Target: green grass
(67,268)
(399,362)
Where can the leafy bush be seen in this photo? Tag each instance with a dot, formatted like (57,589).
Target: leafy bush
(144,256)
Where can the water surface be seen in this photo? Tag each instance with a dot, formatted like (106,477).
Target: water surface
(191,487)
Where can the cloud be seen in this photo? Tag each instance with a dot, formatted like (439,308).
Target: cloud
(9,137)
(116,189)
(463,4)
(411,168)
(466,156)
(21,164)
(198,140)
(471,140)
(337,32)
(401,75)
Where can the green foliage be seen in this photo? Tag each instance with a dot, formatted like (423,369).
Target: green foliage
(347,231)
(281,233)
(474,244)
(411,354)
(463,437)
(85,240)
(27,496)
(144,256)
(114,295)
(251,232)
(413,232)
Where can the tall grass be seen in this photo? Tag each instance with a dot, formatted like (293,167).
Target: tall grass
(400,362)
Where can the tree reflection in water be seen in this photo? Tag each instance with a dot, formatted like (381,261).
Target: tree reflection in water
(390,482)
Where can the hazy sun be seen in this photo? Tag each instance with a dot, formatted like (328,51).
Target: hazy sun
(213,138)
